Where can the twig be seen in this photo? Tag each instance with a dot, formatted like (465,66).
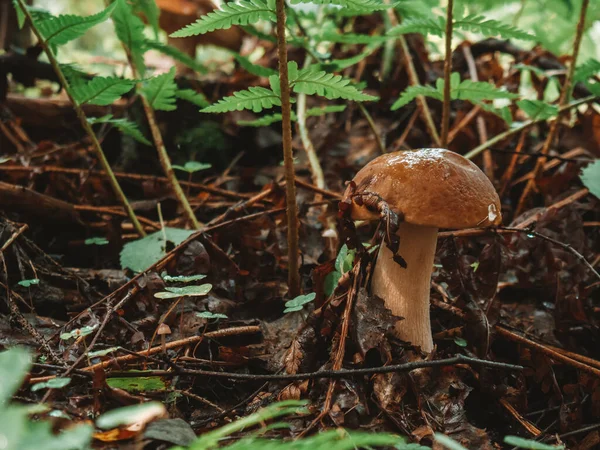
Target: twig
(372,126)
(288,156)
(447,73)
(564,99)
(508,133)
(84,123)
(13,237)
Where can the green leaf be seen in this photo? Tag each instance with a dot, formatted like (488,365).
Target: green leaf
(58,30)
(537,109)
(78,332)
(186,291)
(96,241)
(130,31)
(211,315)
(475,91)
(255,98)
(14,364)
(487,27)
(125,126)
(20,14)
(328,85)
(422,25)
(586,70)
(254,69)
(460,342)
(54,383)
(160,91)
(351,38)
(176,54)
(447,442)
(341,64)
(360,5)
(101,91)
(29,283)
(129,415)
(192,166)
(412,92)
(192,96)
(141,254)
(331,281)
(345,259)
(150,11)
(298,303)
(137,384)
(233,13)
(530,444)
(264,121)
(590,177)
(102,352)
(182,278)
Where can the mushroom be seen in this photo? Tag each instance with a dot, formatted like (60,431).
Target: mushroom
(428,189)
(163,330)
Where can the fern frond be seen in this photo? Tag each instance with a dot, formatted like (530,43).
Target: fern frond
(589,68)
(358,5)
(254,69)
(256,98)
(190,95)
(340,64)
(175,54)
(99,90)
(130,31)
(243,12)
(538,110)
(351,38)
(263,121)
(412,92)
(480,24)
(475,91)
(149,9)
(328,85)
(422,25)
(123,125)
(160,91)
(58,30)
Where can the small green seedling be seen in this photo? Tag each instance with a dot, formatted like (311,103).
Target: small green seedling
(297,304)
(181,278)
(343,264)
(211,315)
(187,291)
(54,383)
(78,332)
(192,167)
(29,283)
(96,241)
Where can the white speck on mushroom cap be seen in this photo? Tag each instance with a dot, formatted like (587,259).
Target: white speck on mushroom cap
(413,158)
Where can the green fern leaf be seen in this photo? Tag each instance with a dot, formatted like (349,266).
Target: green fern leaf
(99,90)
(123,125)
(588,69)
(243,12)
(340,64)
(475,91)
(190,95)
(538,110)
(175,54)
(58,30)
(255,98)
(360,5)
(160,91)
(130,31)
(20,14)
(422,25)
(149,9)
(351,38)
(480,24)
(254,69)
(328,85)
(264,121)
(412,92)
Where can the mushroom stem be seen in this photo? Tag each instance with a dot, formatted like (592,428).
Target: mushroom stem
(406,291)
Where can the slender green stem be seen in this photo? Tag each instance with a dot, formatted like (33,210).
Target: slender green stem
(84,123)
(447,73)
(288,156)
(508,133)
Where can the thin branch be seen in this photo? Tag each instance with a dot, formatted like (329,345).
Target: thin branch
(447,73)
(84,123)
(288,156)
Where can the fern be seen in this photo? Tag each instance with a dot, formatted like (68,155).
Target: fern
(175,54)
(149,9)
(270,119)
(99,90)
(190,95)
(480,24)
(58,30)
(255,98)
(243,12)
(538,110)
(328,85)
(254,69)
(123,125)
(160,91)
(351,38)
(360,5)
(341,64)
(413,92)
(130,31)
(422,25)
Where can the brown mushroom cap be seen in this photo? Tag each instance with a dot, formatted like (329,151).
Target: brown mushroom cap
(430,187)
